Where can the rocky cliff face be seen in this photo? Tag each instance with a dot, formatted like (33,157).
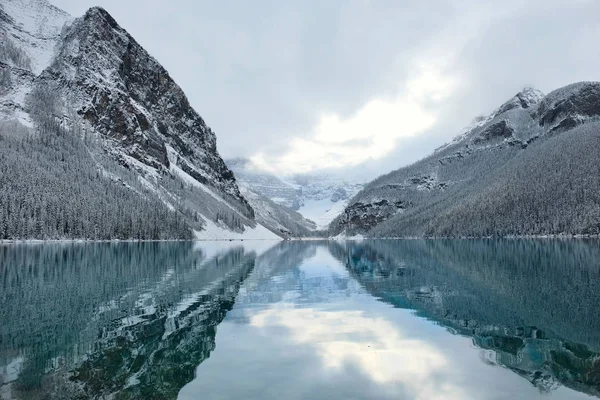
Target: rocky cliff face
(124,94)
(527,168)
(89,77)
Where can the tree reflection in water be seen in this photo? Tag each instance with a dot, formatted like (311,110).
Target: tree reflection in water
(134,320)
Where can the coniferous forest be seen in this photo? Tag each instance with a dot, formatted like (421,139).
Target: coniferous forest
(51,188)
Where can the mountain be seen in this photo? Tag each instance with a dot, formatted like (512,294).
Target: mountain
(264,183)
(317,197)
(273,200)
(529,168)
(278,218)
(87,78)
(323,197)
(29,32)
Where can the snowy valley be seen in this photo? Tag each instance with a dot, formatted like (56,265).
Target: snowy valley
(319,197)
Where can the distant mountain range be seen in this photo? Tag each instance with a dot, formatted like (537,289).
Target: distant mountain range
(529,168)
(317,197)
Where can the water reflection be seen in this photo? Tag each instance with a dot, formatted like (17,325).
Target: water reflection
(373,319)
(95,320)
(532,304)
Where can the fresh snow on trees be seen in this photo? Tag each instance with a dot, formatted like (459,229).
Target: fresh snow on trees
(83,94)
(530,168)
(50,188)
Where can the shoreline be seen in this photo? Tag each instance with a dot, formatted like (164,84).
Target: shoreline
(71,241)
(349,239)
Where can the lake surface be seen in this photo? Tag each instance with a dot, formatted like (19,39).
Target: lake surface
(438,319)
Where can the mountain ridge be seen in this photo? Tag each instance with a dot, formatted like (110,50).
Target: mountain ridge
(481,183)
(136,126)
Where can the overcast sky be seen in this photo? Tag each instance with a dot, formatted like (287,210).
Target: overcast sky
(357,86)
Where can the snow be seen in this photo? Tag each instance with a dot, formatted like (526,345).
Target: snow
(192,182)
(464,133)
(322,211)
(311,192)
(158,194)
(529,95)
(214,232)
(37,30)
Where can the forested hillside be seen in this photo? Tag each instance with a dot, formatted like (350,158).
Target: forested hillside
(51,188)
(99,142)
(530,168)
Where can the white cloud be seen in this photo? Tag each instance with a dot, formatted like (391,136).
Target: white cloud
(391,358)
(371,133)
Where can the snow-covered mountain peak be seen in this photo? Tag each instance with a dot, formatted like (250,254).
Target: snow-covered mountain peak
(319,197)
(31,32)
(526,98)
(37,17)
(574,89)
(531,95)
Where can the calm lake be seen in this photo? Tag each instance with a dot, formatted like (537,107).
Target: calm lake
(385,319)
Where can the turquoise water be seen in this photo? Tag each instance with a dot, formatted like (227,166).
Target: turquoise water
(438,319)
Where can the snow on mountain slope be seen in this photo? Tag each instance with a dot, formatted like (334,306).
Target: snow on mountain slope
(29,33)
(15,87)
(273,200)
(33,26)
(323,211)
(276,217)
(529,168)
(212,231)
(264,183)
(89,77)
(319,198)
(527,98)
(323,197)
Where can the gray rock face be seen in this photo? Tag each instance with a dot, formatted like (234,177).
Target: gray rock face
(500,130)
(569,106)
(527,98)
(88,78)
(528,168)
(364,216)
(127,96)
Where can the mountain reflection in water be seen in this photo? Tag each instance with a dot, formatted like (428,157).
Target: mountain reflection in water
(140,320)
